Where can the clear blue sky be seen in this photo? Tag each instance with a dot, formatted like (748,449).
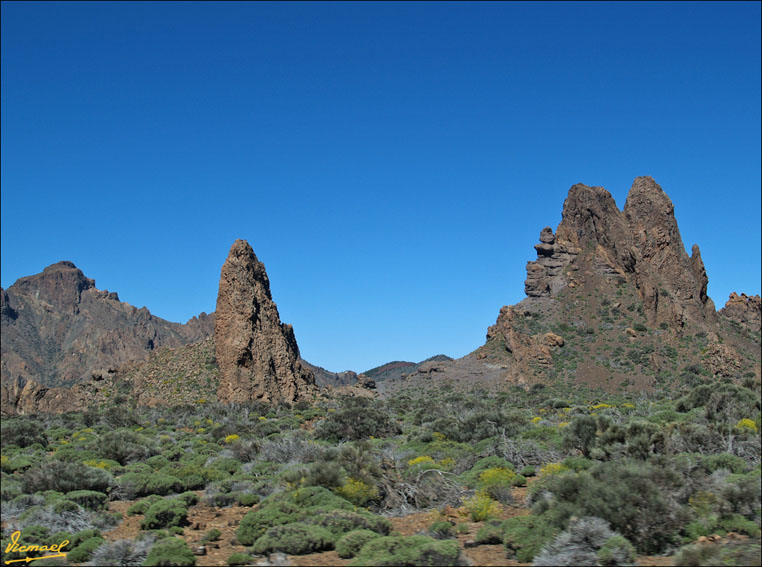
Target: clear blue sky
(391,164)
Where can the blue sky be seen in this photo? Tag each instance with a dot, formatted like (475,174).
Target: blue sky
(392,164)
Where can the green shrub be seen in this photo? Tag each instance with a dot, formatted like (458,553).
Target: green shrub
(170,551)
(212,535)
(88,499)
(528,470)
(441,530)
(294,539)
(616,550)
(84,551)
(240,558)
(358,418)
(519,480)
(165,513)
(340,522)
(525,536)
(246,498)
(412,550)
(491,533)
(141,484)
(123,446)
(725,461)
(22,433)
(141,506)
(471,478)
(351,543)
(285,508)
(189,498)
(633,497)
(730,554)
(66,477)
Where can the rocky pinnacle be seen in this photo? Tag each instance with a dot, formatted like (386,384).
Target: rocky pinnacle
(257,354)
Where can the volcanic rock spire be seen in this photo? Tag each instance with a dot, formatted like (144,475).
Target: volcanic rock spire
(257,354)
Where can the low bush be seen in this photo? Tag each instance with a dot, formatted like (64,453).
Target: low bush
(294,539)
(124,446)
(85,550)
(165,513)
(481,507)
(66,477)
(441,530)
(356,419)
(525,536)
(581,544)
(212,535)
(351,543)
(412,550)
(340,522)
(170,551)
(88,499)
(240,558)
(141,506)
(491,533)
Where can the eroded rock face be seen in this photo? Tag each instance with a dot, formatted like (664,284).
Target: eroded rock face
(257,355)
(545,275)
(59,330)
(596,248)
(745,310)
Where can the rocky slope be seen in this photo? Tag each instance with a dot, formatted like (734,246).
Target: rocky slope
(613,300)
(58,329)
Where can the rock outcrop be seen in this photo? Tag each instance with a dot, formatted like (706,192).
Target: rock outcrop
(257,355)
(545,275)
(607,273)
(59,330)
(745,310)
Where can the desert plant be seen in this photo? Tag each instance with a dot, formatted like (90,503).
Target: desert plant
(581,543)
(170,551)
(165,513)
(88,499)
(84,551)
(441,530)
(525,536)
(412,550)
(352,542)
(294,539)
(66,477)
(491,533)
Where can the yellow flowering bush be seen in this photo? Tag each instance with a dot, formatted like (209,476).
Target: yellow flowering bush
(552,468)
(420,460)
(496,483)
(358,492)
(481,507)
(439,436)
(105,465)
(536,420)
(746,425)
(231,438)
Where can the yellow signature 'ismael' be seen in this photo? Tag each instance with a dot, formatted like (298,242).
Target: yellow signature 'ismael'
(15,547)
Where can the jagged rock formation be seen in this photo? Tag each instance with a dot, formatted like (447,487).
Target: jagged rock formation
(58,329)
(257,355)
(744,310)
(598,259)
(544,275)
